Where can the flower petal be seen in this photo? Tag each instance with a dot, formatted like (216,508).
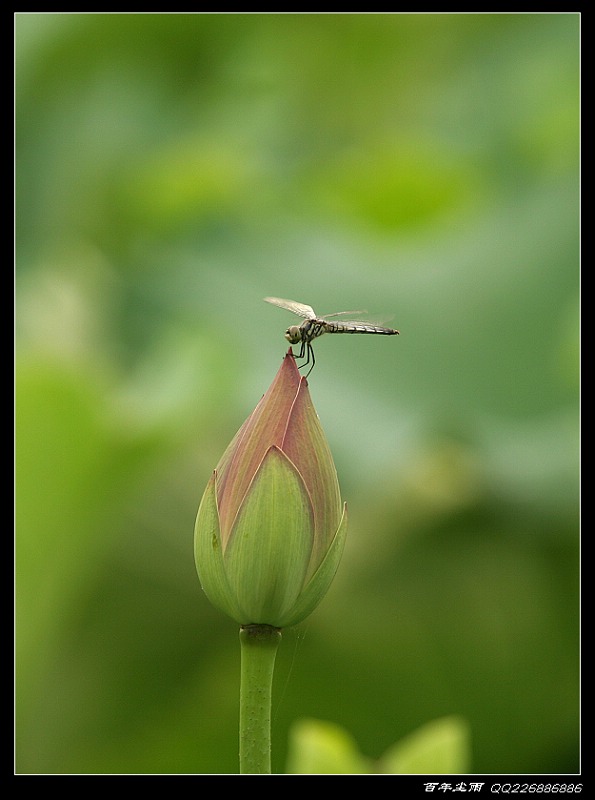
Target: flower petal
(208,553)
(267,555)
(318,585)
(306,445)
(263,428)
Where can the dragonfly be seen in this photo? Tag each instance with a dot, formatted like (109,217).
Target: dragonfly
(314,326)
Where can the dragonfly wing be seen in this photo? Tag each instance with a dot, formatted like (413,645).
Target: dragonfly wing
(343,314)
(290,305)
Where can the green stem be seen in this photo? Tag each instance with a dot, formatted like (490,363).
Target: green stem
(259,645)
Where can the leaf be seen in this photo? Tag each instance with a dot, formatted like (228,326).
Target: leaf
(439,747)
(323,748)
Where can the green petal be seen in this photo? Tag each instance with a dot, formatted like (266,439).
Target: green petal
(318,585)
(269,548)
(208,553)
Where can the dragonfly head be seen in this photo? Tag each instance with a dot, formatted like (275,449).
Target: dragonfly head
(293,334)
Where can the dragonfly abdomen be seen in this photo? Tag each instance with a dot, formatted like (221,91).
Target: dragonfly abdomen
(355,327)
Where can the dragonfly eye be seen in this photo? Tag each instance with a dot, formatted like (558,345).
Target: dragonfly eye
(293,334)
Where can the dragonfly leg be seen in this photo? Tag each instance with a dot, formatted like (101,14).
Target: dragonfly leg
(306,352)
(310,358)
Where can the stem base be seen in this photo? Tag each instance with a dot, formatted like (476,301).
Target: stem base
(259,645)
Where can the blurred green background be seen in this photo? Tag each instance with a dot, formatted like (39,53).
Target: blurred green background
(171,171)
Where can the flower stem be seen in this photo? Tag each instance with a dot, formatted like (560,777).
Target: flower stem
(259,644)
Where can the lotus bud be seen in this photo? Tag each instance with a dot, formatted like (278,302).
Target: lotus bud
(271,526)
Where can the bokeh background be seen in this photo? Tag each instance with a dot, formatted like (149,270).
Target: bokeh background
(171,171)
